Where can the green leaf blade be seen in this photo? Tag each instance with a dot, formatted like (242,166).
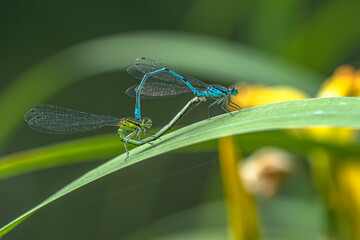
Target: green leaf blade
(334,112)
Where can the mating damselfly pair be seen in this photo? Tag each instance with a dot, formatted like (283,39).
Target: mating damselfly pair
(157,80)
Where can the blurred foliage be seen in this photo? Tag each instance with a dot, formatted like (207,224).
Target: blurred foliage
(47,47)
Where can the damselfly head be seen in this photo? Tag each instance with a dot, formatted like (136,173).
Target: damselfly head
(233,91)
(146,122)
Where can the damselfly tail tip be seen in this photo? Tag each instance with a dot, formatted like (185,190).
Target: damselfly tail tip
(147,122)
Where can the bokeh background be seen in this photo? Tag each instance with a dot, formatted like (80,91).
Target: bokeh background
(177,194)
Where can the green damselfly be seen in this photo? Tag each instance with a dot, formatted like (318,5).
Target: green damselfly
(59,120)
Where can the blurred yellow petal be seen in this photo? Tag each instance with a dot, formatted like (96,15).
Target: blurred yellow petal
(337,135)
(344,82)
(357,84)
(349,193)
(255,95)
(241,206)
(340,84)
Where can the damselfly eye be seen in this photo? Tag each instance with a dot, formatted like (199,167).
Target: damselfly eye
(233,90)
(147,122)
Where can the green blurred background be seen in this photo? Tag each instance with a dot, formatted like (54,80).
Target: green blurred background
(140,201)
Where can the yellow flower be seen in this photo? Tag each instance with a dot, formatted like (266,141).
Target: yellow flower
(345,82)
(337,183)
(255,95)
